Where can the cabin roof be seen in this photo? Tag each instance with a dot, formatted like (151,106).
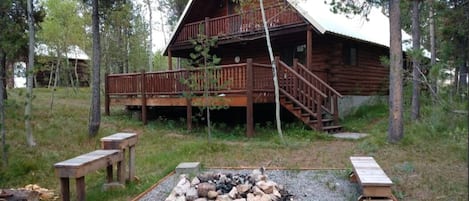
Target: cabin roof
(74,52)
(373,30)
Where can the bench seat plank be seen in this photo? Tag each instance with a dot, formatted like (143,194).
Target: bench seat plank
(369,173)
(81,165)
(119,141)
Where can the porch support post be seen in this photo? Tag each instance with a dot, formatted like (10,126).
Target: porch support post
(309,48)
(144,98)
(249,95)
(188,103)
(207,27)
(106,95)
(170,59)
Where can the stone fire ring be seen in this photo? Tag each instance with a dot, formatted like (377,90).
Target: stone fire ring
(302,183)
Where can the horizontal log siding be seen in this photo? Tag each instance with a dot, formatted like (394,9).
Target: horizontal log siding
(369,77)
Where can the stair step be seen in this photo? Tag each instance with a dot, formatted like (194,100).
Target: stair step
(323,121)
(331,129)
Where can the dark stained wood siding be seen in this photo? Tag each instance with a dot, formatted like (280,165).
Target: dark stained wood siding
(368,77)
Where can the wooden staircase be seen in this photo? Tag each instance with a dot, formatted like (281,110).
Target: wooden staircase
(308,97)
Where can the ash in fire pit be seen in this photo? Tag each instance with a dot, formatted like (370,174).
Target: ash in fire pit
(255,186)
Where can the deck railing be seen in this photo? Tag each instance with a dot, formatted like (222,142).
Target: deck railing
(245,21)
(227,79)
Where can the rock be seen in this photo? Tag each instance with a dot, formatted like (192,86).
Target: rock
(195,181)
(182,187)
(171,197)
(212,195)
(257,191)
(265,197)
(192,194)
(223,198)
(240,199)
(201,199)
(181,198)
(250,197)
(204,188)
(243,188)
(266,186)
(233,193)
(276,193)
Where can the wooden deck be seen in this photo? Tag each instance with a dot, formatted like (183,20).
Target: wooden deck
(238,85)
(246,22)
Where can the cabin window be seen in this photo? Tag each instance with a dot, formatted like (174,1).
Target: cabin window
(287,54)
(350,55)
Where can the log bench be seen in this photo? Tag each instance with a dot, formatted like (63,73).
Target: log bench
(81,165)
(375,184)
(123,142)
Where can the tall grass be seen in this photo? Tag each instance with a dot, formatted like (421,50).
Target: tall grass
(430,161)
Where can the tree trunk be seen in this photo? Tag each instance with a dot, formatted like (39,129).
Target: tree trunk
(432,46)
(274,71)
(396,127)
(3,68)
(95,109)
(75,69)
(415,108)
(56,82)
(2,112)
(150,45)
(29,82)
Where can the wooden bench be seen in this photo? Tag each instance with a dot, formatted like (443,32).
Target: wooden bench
(375,184)
(123,141)
(81,165)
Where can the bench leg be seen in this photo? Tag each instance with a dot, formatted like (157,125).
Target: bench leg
(65,188)
(131,163)
(109,174)
(80,185)
(121,172)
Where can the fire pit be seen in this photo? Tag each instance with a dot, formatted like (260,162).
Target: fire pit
(255,186)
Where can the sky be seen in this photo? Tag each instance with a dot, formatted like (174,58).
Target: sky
(158,41)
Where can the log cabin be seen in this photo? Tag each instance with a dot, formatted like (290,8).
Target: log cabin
(322,59)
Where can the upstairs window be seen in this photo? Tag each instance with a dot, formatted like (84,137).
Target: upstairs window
(350,55)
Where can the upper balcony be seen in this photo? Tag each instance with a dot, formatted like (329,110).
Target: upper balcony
(244,22)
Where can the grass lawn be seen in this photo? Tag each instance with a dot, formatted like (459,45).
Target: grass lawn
(430,163)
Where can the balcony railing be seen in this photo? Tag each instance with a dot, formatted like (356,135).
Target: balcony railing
(244,22)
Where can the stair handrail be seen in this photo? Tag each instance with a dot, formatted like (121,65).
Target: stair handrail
(319,80)
(300,77)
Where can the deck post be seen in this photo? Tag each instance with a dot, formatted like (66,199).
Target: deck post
(319,111)
(188,102)
(309,48)
(170,59)
(336,108)
(207,26)
(144,98)
(106,95)
(249,95)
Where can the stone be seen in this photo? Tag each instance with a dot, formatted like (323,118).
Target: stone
(265,197)
(188,168)
(212,195)
(182,187)
(201,199)
(257,191)
(171,197)
(266,186)
(233,193)
(276,193)
(195,181)
(250,197)
(240,199)
(223,198)
(243,188)
(181,198)
(204,188)
(192,194)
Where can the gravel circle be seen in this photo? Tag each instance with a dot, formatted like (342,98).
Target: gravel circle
(305,185)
